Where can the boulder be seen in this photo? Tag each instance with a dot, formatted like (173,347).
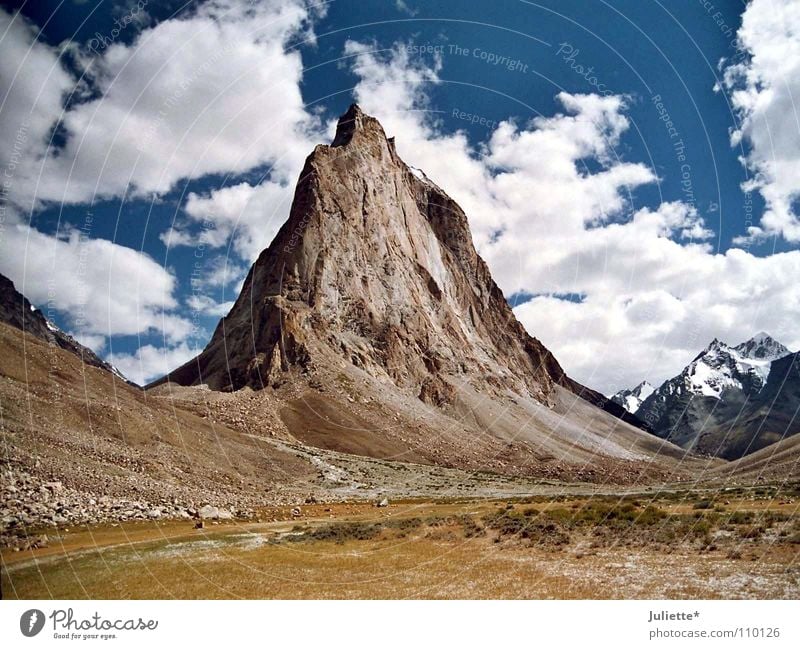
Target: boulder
(208,511)
(214,513)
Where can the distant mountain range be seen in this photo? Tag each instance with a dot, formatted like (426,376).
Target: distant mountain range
(728,402)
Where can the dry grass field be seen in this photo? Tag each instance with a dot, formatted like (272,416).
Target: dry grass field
(733,544)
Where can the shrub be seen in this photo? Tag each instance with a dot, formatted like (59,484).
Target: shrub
(753,532)
(741,518)
(403,524)
(471,528)
(341,532)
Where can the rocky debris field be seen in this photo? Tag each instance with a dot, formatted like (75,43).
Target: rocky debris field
(32,505)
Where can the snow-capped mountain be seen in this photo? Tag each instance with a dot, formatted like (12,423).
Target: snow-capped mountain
(632,400)
(712,390)
(744,367)
(762,346)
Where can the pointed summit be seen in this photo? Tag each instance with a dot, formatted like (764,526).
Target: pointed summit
(632,400)
(375,268)
(355,121)
(762,346)
(713,348)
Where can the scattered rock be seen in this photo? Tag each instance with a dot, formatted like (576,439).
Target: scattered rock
(384,502)
(214,513)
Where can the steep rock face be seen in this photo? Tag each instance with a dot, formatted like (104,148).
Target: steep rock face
(17,311)
(702,407)
(375,267)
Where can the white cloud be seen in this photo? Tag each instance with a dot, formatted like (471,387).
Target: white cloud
(765,91)
(653,303)
(222,271)
(149,362)
(653,293)
(208,306)
(104,288)
(96,342)
(212,91)
(251,214)
(32,87)
(403,7)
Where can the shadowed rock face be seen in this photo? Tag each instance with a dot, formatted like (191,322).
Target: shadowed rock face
(375,267)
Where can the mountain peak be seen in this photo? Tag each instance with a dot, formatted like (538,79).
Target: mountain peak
(632,400)
(715,346)
(355,121)
(762,346)
(374,268)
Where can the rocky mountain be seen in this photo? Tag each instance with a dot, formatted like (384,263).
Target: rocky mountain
(702,407)
(18,312)
(375,267)
(372,292)
(632,400)
(764,419)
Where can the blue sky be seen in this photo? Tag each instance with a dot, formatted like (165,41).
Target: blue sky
(601,150)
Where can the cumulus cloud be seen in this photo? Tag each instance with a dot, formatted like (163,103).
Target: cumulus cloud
(765,92)
(32,88)
(208,306)
(149,362)
(619,294)
(104,289)
(211,91)
(222,271)
(248,215)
